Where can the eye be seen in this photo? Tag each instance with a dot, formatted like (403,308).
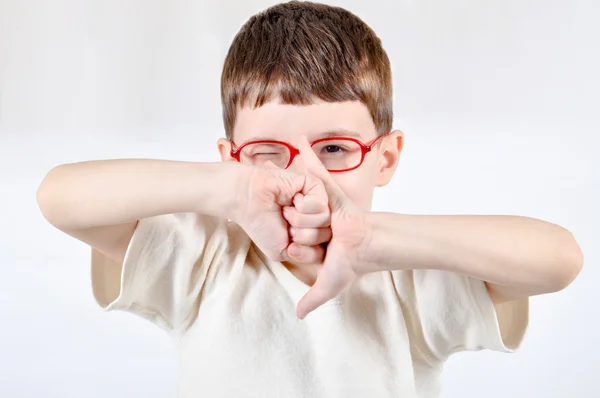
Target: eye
(263,150)
(333,148)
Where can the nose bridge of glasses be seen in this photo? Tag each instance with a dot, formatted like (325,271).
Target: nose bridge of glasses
(296,162)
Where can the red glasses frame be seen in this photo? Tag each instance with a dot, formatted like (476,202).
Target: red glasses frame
(365,148)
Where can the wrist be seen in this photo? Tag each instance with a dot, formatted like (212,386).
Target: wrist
(390,245)
(219,188)
(240,178)
(371,253)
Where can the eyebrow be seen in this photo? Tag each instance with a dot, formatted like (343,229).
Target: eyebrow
(339,133)
(325,134)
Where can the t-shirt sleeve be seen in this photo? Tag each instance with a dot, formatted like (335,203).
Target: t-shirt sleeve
(456,314)
(164,270)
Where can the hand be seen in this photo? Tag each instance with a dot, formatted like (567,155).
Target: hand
(268,191)
(350,236)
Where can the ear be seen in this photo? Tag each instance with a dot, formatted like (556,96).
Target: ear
(224,146)
(389,156)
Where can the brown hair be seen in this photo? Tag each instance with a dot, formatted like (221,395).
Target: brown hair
(302,50)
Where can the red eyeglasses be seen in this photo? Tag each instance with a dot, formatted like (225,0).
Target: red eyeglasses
(338,154)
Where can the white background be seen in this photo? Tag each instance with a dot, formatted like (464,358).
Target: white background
(499,101)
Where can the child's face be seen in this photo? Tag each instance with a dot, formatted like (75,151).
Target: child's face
(276,121)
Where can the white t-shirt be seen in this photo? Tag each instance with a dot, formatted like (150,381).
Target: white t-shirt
(231,313)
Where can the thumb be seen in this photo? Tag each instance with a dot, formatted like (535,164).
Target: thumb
(315,168)
(318,295)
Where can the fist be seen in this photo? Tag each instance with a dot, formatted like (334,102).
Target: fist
(271,191)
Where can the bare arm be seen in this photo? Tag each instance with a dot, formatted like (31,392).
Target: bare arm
(516,256)
(100,202)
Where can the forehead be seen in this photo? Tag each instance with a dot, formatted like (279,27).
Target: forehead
(284,122)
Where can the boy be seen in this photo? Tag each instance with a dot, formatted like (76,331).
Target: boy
(269,270)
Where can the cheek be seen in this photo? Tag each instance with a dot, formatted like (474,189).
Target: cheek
(358,185)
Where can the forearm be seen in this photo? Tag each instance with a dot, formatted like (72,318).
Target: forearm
(526,255)
(111,192)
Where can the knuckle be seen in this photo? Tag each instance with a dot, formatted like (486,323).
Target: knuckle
(303,221)
(325,220)
(323,204)
(298,201)
(292,217)
(305,236)
(306,254)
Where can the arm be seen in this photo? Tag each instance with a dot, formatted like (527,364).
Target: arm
(100,202)
(516,256)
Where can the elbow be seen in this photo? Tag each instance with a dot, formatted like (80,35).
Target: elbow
(43,199)
(47,197)
(570,262)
